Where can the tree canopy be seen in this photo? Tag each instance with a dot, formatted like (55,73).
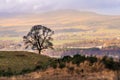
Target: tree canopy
(39,38)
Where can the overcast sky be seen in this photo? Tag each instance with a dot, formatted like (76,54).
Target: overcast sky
(16,7)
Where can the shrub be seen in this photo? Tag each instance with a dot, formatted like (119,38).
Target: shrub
(62,65)
(77,59)
(66,59)
(8,72)
(38,67)
(41,65)
(109,63)
(25,71)
(104,58)
(54,65)
(92,59)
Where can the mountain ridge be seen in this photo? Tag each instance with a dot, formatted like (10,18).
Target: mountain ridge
(61,21)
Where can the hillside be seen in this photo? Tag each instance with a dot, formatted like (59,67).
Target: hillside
(20,62)
(62,21)
(29,66)
(70,27)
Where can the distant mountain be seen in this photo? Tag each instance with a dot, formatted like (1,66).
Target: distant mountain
(62,21)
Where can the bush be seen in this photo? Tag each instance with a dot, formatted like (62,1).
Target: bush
(25,71)
(41,65)
(66,59)
(77,59)
(38,67)
(104,58)
(54,65)
(92,59)
(110,63)
(62,65)
(6,73)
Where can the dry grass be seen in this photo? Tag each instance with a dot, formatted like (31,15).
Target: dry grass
(67,74)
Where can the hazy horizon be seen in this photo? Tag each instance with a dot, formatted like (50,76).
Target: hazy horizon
(21,7)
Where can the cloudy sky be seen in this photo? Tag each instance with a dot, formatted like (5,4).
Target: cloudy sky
(8,7)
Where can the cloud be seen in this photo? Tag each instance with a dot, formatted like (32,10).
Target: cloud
(30,6)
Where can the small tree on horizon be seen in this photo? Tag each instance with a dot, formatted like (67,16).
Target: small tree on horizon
(39,38)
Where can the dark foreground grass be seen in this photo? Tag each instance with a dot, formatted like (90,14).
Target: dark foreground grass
(20,62)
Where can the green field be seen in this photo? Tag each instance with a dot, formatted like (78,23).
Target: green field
(14,62)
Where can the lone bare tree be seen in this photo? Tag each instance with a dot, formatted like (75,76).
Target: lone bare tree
(39,38)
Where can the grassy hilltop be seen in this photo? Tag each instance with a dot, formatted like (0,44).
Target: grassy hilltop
(22,65)
(19,62)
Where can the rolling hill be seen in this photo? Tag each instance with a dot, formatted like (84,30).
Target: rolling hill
(66,23)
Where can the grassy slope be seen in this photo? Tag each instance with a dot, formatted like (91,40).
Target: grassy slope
(18,61)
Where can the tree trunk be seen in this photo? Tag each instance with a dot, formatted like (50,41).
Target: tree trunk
(39,51)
